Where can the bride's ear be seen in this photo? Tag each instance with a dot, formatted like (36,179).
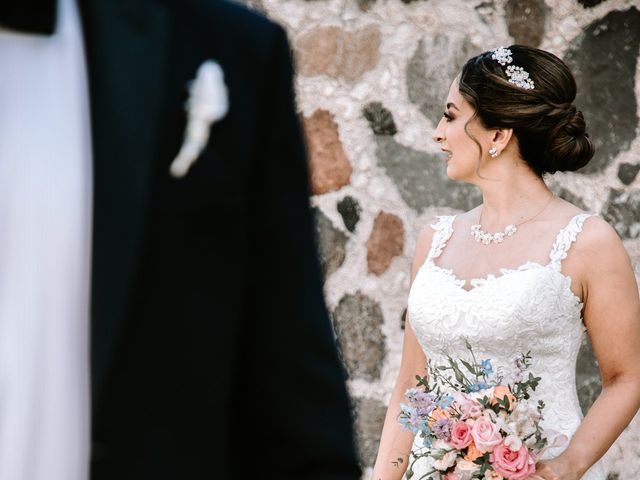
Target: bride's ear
(501,138)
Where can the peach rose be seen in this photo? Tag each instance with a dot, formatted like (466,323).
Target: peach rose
(472,452)
(499,392)
(460,435)
(512,464)
(486,434)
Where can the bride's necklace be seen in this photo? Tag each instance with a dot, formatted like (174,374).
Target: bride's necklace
(487,238)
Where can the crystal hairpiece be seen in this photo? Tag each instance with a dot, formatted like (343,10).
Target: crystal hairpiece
(517,75)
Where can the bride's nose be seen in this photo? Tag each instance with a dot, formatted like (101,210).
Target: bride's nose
(438,135)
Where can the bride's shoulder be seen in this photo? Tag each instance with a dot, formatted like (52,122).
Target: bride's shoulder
(595,231)
(443,224)
(425,239)
(598,235)
(597,241)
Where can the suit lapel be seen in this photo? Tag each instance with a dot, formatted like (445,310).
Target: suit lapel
(126,47)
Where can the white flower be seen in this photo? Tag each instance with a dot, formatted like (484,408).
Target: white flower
(208,102)
(513,442)
(491,475)
(523,419)
(466,469)
(446,462)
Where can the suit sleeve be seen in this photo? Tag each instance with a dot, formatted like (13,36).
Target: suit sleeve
(303,407)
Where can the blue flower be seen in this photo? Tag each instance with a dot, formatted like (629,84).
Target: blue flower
(444,402)
(476,387)
(487,367)
(409,419)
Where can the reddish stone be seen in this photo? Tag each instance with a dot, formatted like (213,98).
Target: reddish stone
(338,53)
(526,20)
(385,243)
(330,168)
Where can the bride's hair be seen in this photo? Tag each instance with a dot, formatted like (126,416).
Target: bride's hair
(550,131)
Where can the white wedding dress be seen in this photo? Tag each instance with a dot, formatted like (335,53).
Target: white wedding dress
(530,308)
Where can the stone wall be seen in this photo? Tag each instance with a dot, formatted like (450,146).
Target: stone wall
(371,79)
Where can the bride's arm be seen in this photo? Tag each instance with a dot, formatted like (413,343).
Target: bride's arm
(395,443)
(612,318)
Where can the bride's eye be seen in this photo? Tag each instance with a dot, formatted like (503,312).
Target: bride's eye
(447,116)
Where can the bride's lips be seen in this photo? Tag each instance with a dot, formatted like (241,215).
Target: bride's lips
(448,152)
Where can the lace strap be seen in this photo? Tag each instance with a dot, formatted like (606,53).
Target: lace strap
(443,231)
(566,237)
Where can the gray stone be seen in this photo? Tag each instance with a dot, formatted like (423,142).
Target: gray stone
(358,321)
(421,177)
(365,5)
(486,11)
(350,210)
(380,119)
(613,476)
(627,172)
(572,198)
(526,21)
(622,211)
(369,419)
(590,3)
(587,376)
(435,63)
(604,59)
(331,243)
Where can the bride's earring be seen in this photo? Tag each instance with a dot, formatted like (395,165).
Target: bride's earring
(493,151)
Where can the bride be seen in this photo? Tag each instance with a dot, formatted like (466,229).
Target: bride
(525,270)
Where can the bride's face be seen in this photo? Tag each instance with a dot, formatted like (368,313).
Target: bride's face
(457,142)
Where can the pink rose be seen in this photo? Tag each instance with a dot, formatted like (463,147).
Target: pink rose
(460,435)
(512,464)
(469,407)
(486,434)
(451,476)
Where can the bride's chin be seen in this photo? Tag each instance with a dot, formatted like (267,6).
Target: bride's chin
(451,172)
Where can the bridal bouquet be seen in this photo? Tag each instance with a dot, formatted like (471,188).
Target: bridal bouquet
(476,423)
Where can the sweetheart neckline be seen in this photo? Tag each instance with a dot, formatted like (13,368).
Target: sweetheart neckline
(479,282)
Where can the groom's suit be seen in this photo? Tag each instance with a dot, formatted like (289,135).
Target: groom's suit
(212,354)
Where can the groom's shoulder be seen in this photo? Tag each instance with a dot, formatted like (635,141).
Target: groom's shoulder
(236,20)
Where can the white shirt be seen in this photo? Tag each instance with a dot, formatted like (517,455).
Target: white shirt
(45,230)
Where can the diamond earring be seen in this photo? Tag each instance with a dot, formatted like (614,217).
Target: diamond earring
(493,151)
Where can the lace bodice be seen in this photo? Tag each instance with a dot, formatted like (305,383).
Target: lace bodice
(529,308)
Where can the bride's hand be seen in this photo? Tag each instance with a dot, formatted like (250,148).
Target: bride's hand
(554,469)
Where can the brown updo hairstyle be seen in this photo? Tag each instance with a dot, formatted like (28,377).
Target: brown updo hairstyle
(550,131)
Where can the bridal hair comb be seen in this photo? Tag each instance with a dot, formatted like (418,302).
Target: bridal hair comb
(517,75)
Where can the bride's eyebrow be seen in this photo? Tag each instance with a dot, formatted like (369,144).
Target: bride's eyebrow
(451,104)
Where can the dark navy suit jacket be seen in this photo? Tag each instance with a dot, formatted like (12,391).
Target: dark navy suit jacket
(212,352)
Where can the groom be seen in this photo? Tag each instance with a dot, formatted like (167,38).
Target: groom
(211,354)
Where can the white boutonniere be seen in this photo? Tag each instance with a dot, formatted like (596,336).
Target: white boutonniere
(208,102)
